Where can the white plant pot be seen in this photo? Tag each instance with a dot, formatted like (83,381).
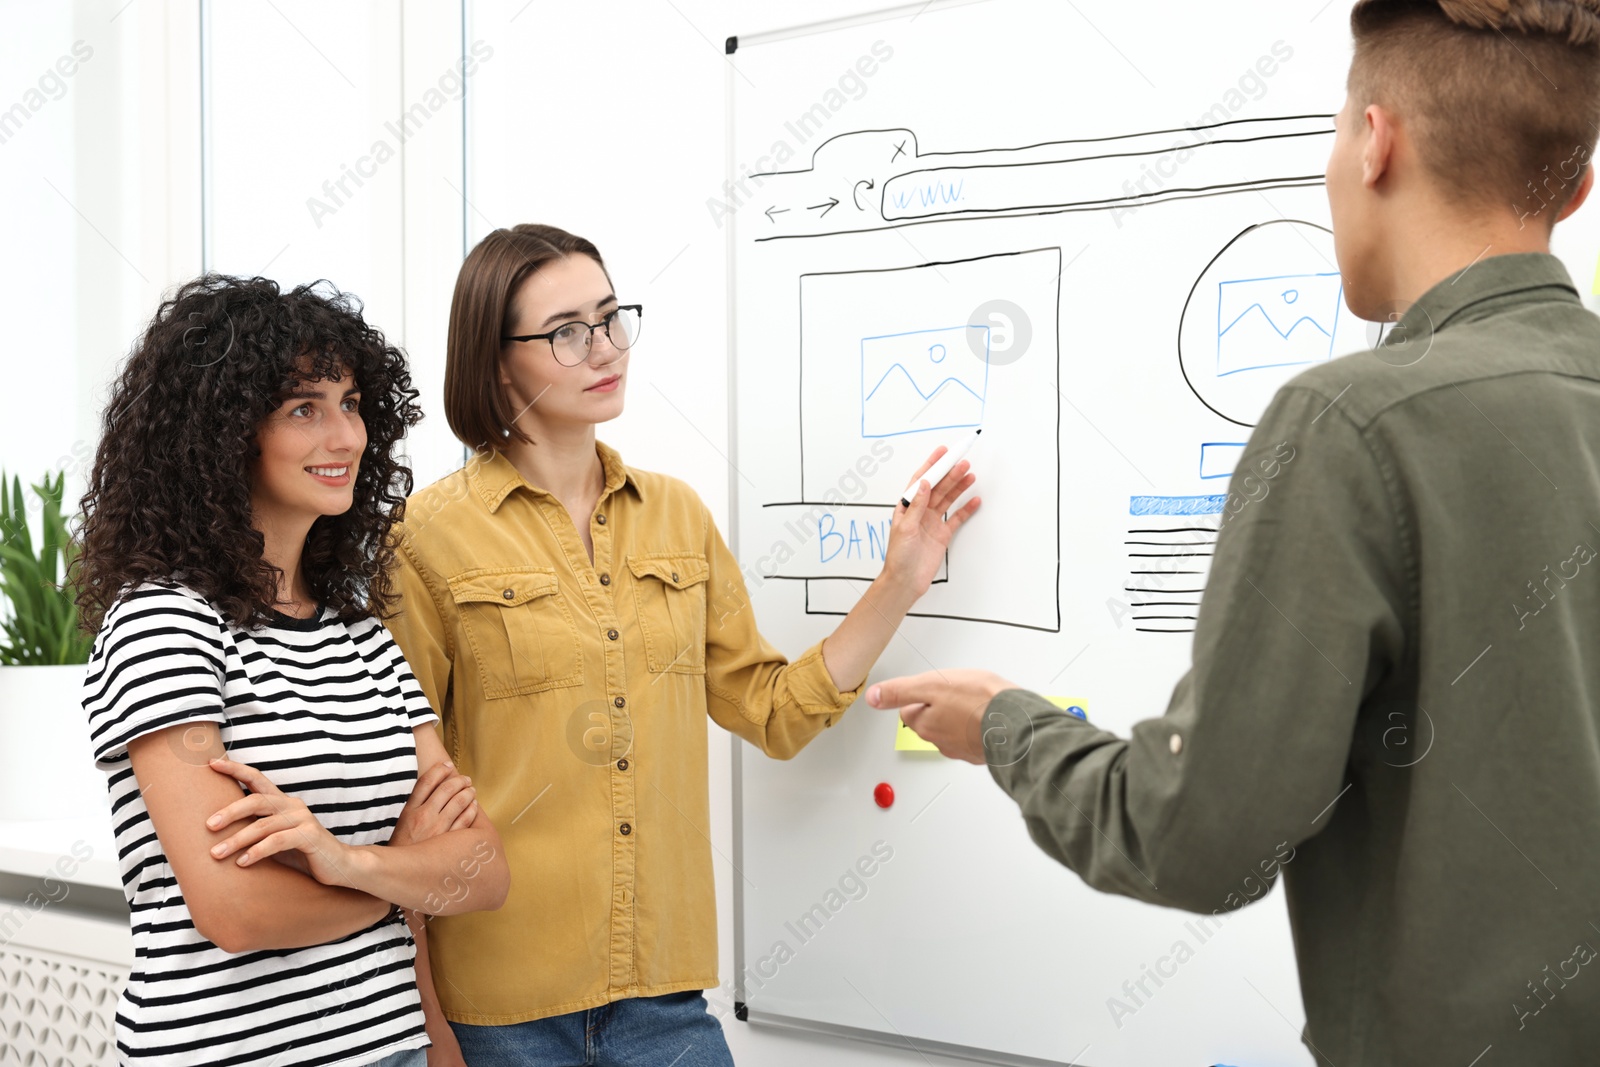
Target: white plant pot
(47,766)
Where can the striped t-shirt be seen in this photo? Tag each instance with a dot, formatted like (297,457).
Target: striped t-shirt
(325,709)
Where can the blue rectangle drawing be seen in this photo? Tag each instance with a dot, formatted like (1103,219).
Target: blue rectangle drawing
(924,380)
(1177,505)
(1276,322)
(1218,458)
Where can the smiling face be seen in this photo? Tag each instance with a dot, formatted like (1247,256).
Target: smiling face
(542,393)
(311,448)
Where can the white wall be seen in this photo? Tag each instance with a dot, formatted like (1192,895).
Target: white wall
(99,173)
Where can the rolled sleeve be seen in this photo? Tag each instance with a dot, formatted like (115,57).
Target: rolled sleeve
(752,689)
(810,685)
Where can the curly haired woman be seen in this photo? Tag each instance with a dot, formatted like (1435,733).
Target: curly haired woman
(234,559)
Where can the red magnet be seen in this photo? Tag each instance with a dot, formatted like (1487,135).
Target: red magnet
(884,794)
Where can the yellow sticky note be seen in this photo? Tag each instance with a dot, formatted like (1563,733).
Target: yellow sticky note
(906,740)
(1072,706)
(1595,289)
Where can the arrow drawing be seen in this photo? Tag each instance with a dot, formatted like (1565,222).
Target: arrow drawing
(826,206)
(869,184)
(774,211)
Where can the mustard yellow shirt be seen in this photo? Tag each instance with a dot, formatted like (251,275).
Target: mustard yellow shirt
(575,695)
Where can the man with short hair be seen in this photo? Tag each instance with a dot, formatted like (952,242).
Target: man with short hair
(1395,695)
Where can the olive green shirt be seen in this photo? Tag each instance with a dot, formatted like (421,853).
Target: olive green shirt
(1395,695)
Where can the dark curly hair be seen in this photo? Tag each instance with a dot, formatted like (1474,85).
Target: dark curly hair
(169,496)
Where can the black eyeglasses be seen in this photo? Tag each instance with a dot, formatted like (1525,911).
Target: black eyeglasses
(571,342)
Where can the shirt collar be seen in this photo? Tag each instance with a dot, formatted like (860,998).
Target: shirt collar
(1523,277)
(494,477)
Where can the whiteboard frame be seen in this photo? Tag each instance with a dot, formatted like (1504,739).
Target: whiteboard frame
(970,1053)
(737,750)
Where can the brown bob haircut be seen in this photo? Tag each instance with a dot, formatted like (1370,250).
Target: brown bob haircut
(475,404)
(1502,97)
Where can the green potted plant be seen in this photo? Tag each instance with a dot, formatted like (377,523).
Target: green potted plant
(46,767)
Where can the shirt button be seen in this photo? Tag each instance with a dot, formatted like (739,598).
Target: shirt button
(612,634)
(620,702)
(626,829)
(674,576)
(1176,744)
(601,519)
(605,579)
(622,764)
(510,594)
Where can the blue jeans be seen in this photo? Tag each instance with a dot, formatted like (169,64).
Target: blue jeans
(411,1057)
(672,1030)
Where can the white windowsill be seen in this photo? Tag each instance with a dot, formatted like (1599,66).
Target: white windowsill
(33,849)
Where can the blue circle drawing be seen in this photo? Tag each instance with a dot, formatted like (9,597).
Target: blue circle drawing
(1291,295)
(936,353)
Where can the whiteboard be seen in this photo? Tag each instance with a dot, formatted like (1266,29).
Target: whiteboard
(960,215)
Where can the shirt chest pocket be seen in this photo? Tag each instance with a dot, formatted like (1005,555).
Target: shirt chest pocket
(520,630)
(670,592)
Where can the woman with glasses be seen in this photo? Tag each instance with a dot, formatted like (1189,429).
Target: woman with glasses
(260,732)
(576,619)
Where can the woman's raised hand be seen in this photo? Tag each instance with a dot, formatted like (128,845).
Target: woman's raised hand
(920,534)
